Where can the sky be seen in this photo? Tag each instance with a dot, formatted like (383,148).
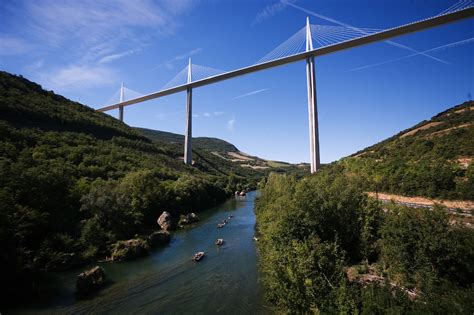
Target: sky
(85,49)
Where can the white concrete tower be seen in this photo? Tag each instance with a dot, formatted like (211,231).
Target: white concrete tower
(188,136)
(312,104)
(122,91)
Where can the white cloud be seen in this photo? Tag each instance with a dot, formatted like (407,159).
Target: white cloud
(250,93)
(75,76)
(170,63)
(87,35)
(208,114)
(95,21)
(231,124)
(12,46)
(113,57)
(269,11)
(35,66)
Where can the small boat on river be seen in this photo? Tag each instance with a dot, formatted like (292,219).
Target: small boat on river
(219,242)
(198,256)
(220,225)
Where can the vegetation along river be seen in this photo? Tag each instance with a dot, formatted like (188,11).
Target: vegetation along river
(167,281)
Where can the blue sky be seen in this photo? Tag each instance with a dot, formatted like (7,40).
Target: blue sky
(85,49)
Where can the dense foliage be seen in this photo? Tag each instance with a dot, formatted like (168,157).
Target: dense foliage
(213,147)
(325,247)
(425,160)
(209,144)
(74,181)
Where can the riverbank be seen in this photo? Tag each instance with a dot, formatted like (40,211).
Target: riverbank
(167,281)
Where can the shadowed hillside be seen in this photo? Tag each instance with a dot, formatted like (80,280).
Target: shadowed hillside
(74,182)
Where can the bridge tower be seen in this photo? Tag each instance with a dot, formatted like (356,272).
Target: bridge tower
(122,91)
(312,103)
(188,137)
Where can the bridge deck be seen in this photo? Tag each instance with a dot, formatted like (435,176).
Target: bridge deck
(383,35)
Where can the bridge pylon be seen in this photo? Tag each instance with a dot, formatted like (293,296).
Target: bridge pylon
(122,92)
(188,136)
(312,103)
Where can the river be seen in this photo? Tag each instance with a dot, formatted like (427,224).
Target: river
(225,281)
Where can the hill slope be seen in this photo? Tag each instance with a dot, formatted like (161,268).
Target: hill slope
(210,144)
(326,247)
(225,151)
(74,181)
(433,158)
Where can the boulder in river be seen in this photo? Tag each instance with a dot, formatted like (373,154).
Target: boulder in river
(159,238)
(130,249)
(188,218)
(164,221)
(90,280)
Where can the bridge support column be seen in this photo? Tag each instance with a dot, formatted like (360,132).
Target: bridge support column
(122,91)
(188,136)
(312,104)
(121,113)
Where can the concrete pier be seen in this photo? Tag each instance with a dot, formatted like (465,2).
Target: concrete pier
(188,136)
(122,91)
(312,104)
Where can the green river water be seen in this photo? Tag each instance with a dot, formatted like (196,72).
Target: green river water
(225,281)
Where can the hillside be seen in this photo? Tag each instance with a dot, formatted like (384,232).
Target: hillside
(327,246)
(74,182)
(433,158)
(224,151)
(210,144)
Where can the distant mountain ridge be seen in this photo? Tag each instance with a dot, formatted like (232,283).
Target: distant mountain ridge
(207,143)
(219,148)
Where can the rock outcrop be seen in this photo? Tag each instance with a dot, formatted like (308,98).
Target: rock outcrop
(90,280)
(164,221)
(188,218)
(159,238)
(130,249)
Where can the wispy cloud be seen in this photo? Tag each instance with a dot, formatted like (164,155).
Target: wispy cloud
(170,63)
(87,35)
(231,124)
(12,46)
(113,57)
(269,11)
(208,114)
(250,93)
(35,66)
(450,45)
(95,21)
(73,76)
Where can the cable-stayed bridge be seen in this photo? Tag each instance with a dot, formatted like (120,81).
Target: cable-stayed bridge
(309,42)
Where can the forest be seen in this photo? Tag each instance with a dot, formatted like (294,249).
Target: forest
(74,182)
(326,248)
(425,160)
